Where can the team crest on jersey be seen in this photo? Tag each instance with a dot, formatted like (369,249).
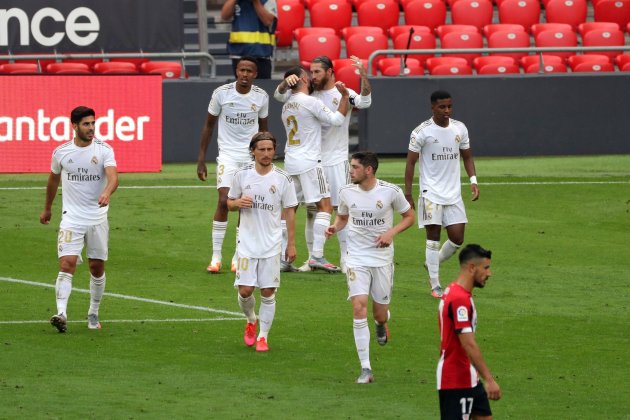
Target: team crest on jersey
(335,102)
(379,204)
(462,314)
(273,189)
(219,179)
(94,160)
(457,138)
(351,275)
(254,107)
(413,141)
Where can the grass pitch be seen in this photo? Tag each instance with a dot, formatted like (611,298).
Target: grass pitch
(551,320)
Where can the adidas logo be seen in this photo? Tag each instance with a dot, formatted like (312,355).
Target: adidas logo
(354,206)
(70,161)
(248,187)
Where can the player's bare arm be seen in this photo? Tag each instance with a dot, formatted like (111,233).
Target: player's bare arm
(245,202)
(291,252)
(51,192)
(206,135)
(227,11)
(265,16)
(112,184)
(469,166)
(386,239)
(410,169)
(341,220)
(287,83)
(469,343)
(344,105)
(366,89)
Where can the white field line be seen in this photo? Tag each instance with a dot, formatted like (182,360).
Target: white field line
(134,321)
(139,299)
(184,187)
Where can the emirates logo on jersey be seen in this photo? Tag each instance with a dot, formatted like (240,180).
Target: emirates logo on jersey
(94,160)
(254,107)
(379,204)
(273,189)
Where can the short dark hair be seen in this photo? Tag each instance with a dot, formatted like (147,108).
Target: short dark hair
(324,61)
(247,58)
(367,159)
(473,251)
(261,135)
(81,112)
(439,94)
(296,70)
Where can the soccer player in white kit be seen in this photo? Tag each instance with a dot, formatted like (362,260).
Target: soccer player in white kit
(366,210)
(303,116)
(86,169)
(440,141)
(335,139)
(261,192)
(241,109)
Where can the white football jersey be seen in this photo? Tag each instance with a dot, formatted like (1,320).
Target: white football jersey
(370,214)
(439,159)
(335,139)
(303,117)
(83,179)
(238,116)
(260,232)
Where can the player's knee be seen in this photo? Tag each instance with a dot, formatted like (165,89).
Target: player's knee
(268,292)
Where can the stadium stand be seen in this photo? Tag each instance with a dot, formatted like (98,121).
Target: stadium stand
(494,68)
(452,70)
(311,46)
(455,40)
(290,17)
(65,67)
(472,12)
(509,39)
(381,13)
(115,67)
(19,68)
(299,33)
(553,38)
(604,37)
(431,13)
(572,12)
(617,11)
(417,41)
(347,32)
(488,30)
(522,12)
(336,14)
(485,60)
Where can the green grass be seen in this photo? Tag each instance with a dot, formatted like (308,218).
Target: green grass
(553,320)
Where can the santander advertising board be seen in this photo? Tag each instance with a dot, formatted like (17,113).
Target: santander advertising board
(35,118)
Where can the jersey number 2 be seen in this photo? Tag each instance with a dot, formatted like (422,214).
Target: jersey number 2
(292,122)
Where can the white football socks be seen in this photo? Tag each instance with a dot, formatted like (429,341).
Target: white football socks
(218,235)
(63,288)
(97,288)
(322,221)
(247,306)
(308,227)
(448,250)
(433,262)
(266,314)
(362,341)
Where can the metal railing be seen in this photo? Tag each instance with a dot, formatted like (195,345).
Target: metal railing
(538,50)
(59,57)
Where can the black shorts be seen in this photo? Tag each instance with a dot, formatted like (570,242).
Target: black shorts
(458,404)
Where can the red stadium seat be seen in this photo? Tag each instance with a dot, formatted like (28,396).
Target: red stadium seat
(299,33)
(499,69)
(522,12)
(365,30)
(19,68)
(381,13)
(115,67)
(431,13)
(585,27)
(409,70)
(363,45)
(509,39)
(394,31)
(433,62)
(626,67)
(311,46)
(575,60)
(539,27)
(395,61)
(604,37)
(68,68)
(336,14)
(530,60)
(617,11)
(557,39)
(593,68)
(485,60)
(472,12)
(547,68)
(462,40)
(150,66)
(442,30)
(90,62)
(572,12)
(340,63)
(418,41)
(488,30)
(452,70)
(167,72)
(137,61)
(350,76)
(290,17)
(622,60)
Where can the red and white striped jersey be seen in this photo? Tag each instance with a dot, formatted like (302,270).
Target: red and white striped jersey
(456,315)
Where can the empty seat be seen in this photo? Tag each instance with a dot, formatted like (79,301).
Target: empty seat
(495,68)
(381,13)
(418,41)
(604,37)
(394,31)
(365,30)
(509,39)
(409,70)
(150,66)
(617,11)
(431,13)
(585,27)
(575,60)
(442,30)
(68,68)
(115,67)
(488,30)
(572,12)
(90,62)
(350,76)
(462,40)
(433,62)
(42,62)
(336,14)
(137,61)
(593,68)
(452,70)
(522,12)
(340,63)
(290,17)
(472,12)
(557,39)
(547,68)
(539,27)
(479,62)
(622,60)
(19,68)
(530,60)
(363,45)
(298,33)
(311,46)
(395,61)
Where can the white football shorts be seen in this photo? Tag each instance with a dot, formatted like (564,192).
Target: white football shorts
(440,214)
(262,273)
(375,281)
(71,239)
(311,186)
(337,176)
(226,170)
